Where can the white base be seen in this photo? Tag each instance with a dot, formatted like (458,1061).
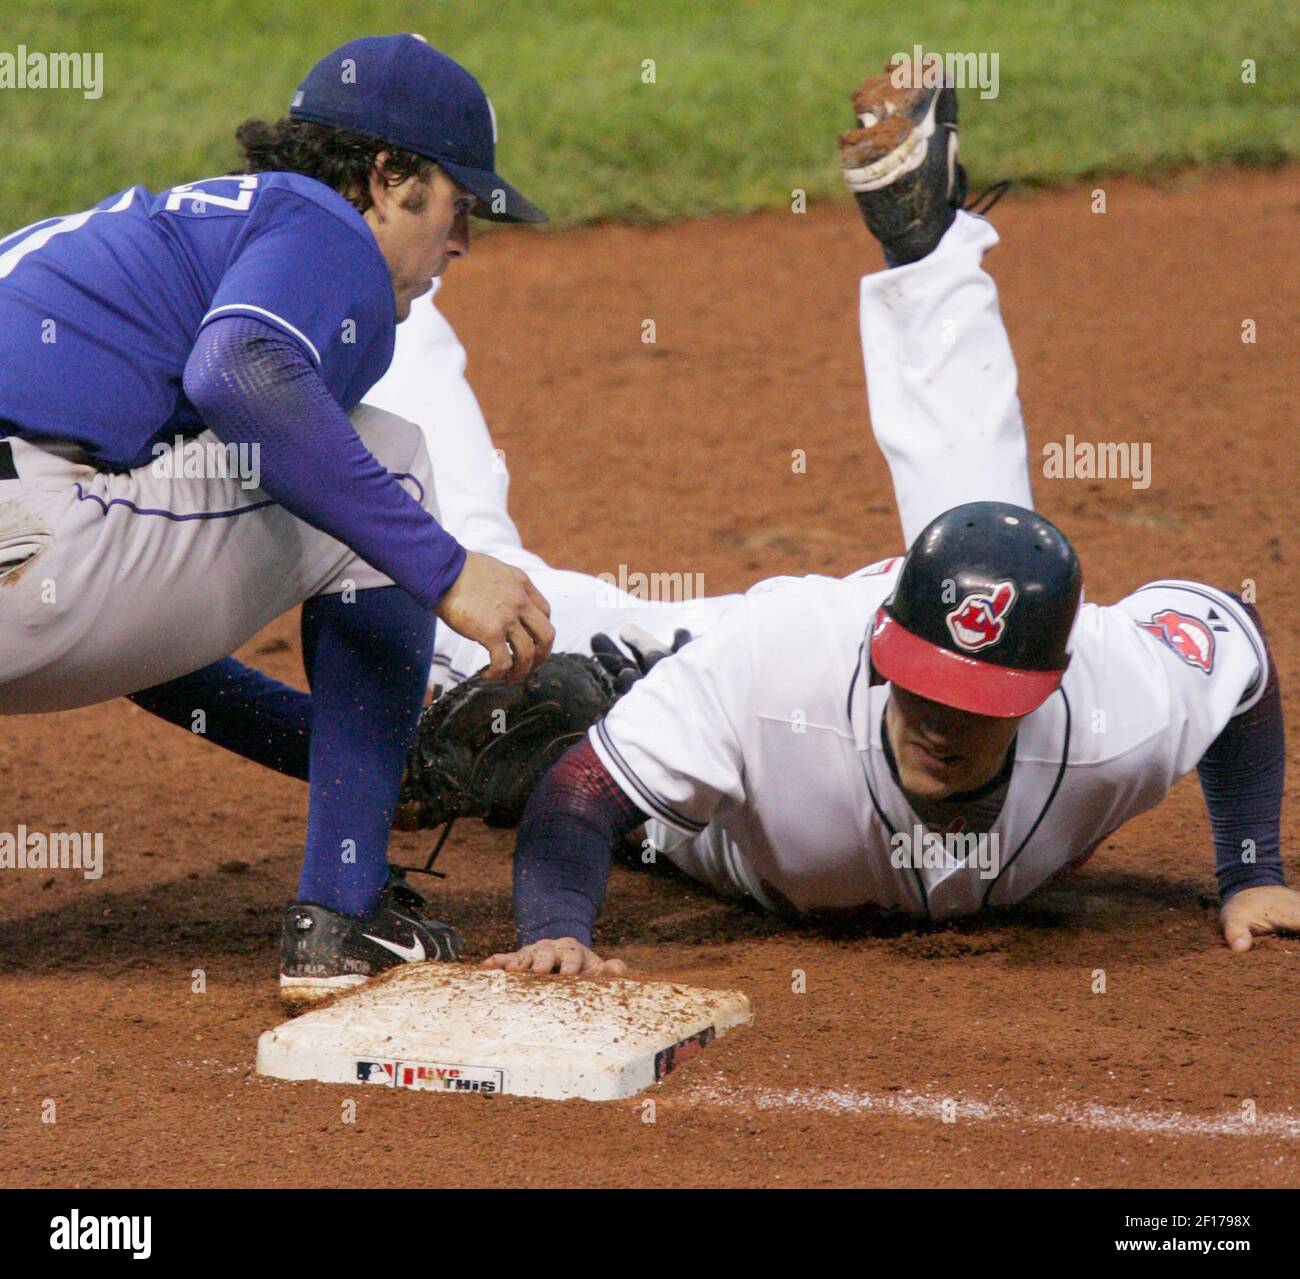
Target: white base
(448,1028)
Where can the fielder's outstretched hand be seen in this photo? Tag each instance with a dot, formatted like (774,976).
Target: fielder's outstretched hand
(1254,912)
(497,605)
(564,955)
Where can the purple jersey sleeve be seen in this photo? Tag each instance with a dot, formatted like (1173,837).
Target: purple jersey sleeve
(255,385)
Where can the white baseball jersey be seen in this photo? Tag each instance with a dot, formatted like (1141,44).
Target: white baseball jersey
(766,775)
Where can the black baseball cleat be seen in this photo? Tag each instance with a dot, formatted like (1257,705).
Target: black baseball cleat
(901,162)
(323,953)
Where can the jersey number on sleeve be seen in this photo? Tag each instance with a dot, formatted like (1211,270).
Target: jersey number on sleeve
(201,200)
(38,234)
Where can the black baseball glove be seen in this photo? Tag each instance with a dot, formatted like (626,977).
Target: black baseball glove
(483,746)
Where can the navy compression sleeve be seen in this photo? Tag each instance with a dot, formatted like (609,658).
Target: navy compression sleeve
(244,710)
(252,384)
(1241,778)
(563,851)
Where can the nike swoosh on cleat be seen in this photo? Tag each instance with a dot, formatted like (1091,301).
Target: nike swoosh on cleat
(412,954)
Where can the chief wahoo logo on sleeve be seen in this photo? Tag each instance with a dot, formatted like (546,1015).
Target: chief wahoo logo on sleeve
(981,618)
(1189,637)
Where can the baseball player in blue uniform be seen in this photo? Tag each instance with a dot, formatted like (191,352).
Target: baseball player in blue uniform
(185,455)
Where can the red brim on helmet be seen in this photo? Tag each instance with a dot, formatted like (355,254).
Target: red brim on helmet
(953,679)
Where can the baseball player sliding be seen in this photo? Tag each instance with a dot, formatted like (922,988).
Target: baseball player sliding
(966,728)
(185,455)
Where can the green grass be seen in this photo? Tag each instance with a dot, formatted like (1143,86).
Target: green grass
(748,97)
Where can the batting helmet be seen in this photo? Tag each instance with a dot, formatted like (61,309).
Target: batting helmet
(982,611)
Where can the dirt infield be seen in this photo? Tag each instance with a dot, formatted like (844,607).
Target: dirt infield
(675,457)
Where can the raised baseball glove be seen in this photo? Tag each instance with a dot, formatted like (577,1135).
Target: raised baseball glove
(483,746)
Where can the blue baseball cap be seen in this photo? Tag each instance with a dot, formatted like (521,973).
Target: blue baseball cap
(401,90)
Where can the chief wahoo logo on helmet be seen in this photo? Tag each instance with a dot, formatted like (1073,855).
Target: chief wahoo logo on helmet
(1004,648)
(980,619)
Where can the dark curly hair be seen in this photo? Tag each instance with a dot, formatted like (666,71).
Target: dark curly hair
(337,157)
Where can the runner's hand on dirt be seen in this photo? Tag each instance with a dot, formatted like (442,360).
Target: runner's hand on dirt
(1271,908)
(498,606)
(565,955)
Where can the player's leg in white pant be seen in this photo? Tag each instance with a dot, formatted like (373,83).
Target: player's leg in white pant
(941,380)
(426,384)
(581,606)
(141,578)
